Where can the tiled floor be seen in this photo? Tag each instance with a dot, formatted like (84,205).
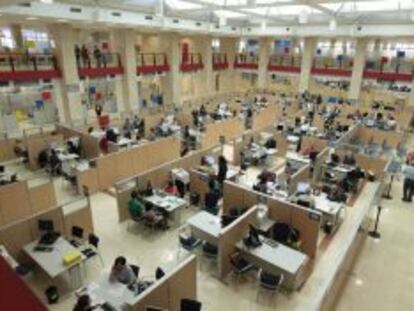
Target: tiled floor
(382,279)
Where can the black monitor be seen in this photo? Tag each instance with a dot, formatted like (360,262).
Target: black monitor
(45,225)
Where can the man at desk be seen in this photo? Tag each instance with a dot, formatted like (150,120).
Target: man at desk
(349,159)
(122,272)
(135,206)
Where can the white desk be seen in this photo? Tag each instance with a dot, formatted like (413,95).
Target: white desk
(205,226)
(171,204)
(9,259)
(330,210)
(296,157)
(52,262)
(276,260)
(102,290)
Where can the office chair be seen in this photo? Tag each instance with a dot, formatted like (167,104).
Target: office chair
(77,236)
(270,282)
(92,250)
(190,305)
(187,243)
(239,265)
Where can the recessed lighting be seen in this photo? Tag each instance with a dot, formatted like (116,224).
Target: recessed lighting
(359,282)
(31,18)
(62,20)
(47,1)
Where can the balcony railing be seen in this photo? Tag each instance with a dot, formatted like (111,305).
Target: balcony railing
(246,61)
(16,66)
(389,69)
(151,63)
(285,63)
(220,61)
(191,62)
(105,64)
(345,63)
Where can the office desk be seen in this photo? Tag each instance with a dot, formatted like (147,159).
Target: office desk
(52,262)
(171,204)
(330,210)
(101,291)
(339,170)
(205,226)
(276,260)
(297,157)
(9,259)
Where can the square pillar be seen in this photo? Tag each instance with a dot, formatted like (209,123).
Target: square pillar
(264,54)
(358,69)
(307,62)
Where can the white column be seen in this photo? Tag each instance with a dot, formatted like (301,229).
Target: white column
(207,56)
(125,44)
(229,47)
(70,103)
(358,69)
(172,81)
(264,54)
(307,61)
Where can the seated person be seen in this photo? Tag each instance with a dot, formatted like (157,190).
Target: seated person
(267,176)
(135,206)
(152,136)
(308,150)
(334,159)
(337,194)
(112,135)
(156,217)
(270,143)
(171,188)
(122,272)
(84,304)
(149,190)
(73,145)
(349,159)
(54,162)
(43,158)
(212,197)
(127,127)
(20,151)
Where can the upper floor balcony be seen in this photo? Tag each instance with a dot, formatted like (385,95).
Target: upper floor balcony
(246,61)
(191,62)
(220,61)
(152,63)
(98,65)
(398,69)
(285,63)
(17,66)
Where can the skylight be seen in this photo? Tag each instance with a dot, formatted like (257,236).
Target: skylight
(182,5)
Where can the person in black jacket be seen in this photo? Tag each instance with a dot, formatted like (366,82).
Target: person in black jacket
(222,169)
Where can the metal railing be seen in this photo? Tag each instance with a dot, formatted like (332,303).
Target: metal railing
(151,59)
(17,61)
(103,60)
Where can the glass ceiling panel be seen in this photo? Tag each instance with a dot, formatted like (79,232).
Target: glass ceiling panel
(282,10)
(182,5)
(371,6)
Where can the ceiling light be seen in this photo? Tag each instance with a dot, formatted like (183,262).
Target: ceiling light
(332,24)
(46,1)
(303,17)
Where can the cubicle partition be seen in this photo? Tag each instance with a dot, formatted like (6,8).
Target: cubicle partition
(167,292)
(265,118)
(304,174)
(306,221)
(311,141)
(230,236)
(15,235)
(89,144)
(159,176)
(229,129)
(22,199)
(37,143)
(116,166)
(7,149)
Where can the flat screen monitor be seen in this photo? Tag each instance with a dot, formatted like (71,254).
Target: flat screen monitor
(303,187)
(45,225)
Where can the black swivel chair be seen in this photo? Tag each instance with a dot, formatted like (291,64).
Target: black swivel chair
(190,305)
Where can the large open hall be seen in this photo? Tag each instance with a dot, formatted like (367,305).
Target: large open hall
(206,155)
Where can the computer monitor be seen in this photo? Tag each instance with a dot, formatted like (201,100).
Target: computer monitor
(303,187)
(45,225)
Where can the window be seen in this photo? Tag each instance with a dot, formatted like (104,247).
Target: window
(6,39)
(36,39)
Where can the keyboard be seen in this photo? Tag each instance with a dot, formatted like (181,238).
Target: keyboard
(39,248)
(271,243)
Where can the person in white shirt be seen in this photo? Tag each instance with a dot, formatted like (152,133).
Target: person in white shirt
(408,185)
(122,272)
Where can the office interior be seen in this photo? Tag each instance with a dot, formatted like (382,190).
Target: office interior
(177,155)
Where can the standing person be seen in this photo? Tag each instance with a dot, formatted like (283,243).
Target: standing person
(408,185)
(222,169)
(85,56)
(98,56)
(78,55)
